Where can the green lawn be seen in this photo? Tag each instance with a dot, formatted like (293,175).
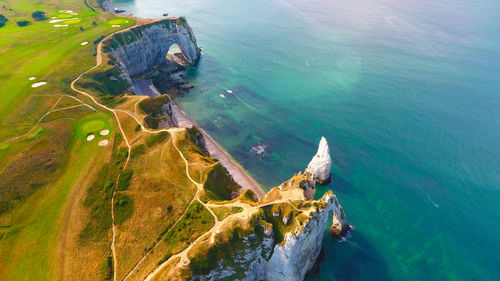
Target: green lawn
(30,239)
(114,22)
(29,247)
(51,54)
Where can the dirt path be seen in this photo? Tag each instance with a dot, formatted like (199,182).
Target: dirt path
(216,151)
(51,110)
(98,63)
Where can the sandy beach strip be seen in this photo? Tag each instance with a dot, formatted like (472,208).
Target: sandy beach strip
(239,174)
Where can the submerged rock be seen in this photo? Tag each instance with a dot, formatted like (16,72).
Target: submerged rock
(321,163)
(259,148)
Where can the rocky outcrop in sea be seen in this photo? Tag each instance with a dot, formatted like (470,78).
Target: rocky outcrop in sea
(321,163)
(292,234)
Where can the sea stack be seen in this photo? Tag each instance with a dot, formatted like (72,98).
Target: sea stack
(321,163)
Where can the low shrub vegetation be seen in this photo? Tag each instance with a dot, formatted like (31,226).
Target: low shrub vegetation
(39,164)
(23,23)
(107,268)
(124,179)
(137,150)
(124,208)
(39,15)
(153,139)
(97,201)
(154,106)
(194,223)
(3,20)
(219,185)
(106,83)
(152,122)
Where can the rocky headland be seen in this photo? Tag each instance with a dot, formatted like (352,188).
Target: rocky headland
(277,236)
(280,238)
(144,48)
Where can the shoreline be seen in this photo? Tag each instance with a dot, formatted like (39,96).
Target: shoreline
(239,174)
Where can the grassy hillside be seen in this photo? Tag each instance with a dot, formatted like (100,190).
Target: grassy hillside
(89,189)
(46,163)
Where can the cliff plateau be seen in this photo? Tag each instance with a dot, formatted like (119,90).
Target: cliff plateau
(280,238)
(276,237)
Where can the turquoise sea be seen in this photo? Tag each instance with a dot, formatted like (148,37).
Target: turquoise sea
(406,92)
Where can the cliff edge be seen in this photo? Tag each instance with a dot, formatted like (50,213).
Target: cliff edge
(275,238)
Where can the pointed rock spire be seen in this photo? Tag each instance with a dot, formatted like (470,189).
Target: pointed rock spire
(321,163)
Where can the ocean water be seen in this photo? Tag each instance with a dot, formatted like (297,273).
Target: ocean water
(406,92)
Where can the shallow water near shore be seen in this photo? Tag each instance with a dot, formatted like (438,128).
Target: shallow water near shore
(406,93)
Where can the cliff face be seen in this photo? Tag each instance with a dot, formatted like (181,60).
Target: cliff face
(292,260)
(283,238)
(107,5)
(289,259)
(143,48)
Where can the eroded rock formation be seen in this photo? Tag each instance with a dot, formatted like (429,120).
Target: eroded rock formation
(321,163)
(141,49)
(106,5)
(282,238)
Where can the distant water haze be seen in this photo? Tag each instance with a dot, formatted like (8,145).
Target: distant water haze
(407,95)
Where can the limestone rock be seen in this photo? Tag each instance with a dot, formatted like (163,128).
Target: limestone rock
(321,163)
(339,222)
(107,5)
(143,48)
(291,259)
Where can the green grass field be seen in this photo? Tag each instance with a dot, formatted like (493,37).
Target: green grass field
(60,179)
(32,229)
(118,22)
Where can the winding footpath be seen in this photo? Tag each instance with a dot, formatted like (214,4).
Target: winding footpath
(98,63)
(248,181)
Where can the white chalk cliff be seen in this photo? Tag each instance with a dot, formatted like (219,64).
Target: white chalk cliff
(321,163)
(290,255)
(106,5)
(292,260)
(141,49)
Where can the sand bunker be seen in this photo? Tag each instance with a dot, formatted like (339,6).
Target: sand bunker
(90,137)
(103,143)
(68,12)
(38,84)
(59,20)
(104,132)
(115,25)
(32,78)
(84,43)
(60,25)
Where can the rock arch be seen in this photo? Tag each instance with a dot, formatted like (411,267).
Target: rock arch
(143,48)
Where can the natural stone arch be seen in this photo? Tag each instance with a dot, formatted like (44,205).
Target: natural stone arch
(176,55)
(143,48)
